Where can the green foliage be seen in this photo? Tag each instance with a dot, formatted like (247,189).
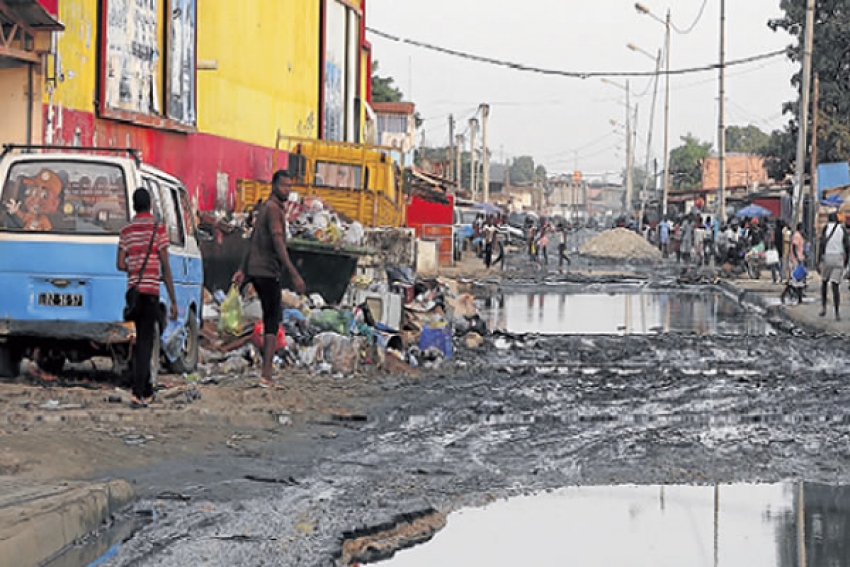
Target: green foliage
(540,173)
(686,162)
(746,139)
(383,89)
(829,62)
(522,169)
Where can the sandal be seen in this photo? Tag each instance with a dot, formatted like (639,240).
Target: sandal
(265,383)
(136,403)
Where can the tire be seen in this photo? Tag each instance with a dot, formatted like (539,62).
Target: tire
(10,362)
(753,270)
(188,361)
(52,364)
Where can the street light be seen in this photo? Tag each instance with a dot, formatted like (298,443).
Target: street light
(629,145)
(645,189)
(667,26)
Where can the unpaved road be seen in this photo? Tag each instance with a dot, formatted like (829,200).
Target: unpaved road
(535,413)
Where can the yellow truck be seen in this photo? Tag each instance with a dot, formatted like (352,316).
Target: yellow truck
(360,182)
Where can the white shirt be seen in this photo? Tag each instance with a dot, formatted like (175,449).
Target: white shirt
(835,244)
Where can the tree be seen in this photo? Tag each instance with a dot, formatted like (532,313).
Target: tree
(522,169)
(540,173)
(686,162)
(746,139)
(831,44)
(383,89)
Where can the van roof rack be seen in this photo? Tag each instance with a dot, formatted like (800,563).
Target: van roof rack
(134,153)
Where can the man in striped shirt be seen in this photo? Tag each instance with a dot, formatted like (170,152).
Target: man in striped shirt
(144,256)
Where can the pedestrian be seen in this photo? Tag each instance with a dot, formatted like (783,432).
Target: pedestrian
(489,242)
(699,239)
(143,255)
(543,241)
(562,246)
(664,233)
(263,266)
(676,240)
(797,255)
(771,259)
(687,239)
(834,252)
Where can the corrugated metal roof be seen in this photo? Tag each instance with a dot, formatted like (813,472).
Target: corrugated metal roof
(34,15)
(832,175)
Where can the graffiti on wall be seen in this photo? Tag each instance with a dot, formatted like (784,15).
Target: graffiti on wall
(181,61)
(132,55)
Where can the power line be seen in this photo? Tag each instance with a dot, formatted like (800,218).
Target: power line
(571,74)
(690,28)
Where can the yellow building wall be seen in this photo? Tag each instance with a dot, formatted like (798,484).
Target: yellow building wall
(268,69)
(267,57)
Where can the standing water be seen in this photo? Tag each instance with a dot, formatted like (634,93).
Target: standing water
(622,314)
(728,526)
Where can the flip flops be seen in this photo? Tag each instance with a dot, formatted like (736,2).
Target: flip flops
(137,404)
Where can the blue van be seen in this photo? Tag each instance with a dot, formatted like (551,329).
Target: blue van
(61,211)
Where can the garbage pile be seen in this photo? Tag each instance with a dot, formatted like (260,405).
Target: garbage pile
(620,244)
(309,218)
(398,324)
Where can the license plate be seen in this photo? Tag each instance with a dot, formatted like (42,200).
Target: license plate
(60,299)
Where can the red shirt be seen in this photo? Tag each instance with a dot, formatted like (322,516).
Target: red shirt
(134,241)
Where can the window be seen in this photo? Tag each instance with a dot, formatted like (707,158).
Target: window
(178,231)
(169,216)
(341,175)
(77,197)
(188,215)
(148,74)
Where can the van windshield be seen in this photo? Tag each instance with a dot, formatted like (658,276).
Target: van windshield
(64,197)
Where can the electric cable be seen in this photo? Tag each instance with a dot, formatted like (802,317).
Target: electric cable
(573,74)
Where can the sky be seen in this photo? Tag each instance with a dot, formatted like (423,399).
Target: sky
(566,123)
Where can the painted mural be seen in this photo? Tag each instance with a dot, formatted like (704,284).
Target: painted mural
(132,55)
(181,61)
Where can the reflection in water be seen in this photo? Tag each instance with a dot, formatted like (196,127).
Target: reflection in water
(728,526)
(628,313)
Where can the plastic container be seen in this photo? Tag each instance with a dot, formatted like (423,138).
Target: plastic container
(174,340)
(439,337)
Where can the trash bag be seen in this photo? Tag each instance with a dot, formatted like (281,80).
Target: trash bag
(174,340)
(330,320)
(401,274)
(230,320)
(259,337)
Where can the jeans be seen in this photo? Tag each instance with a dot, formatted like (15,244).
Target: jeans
(146,318)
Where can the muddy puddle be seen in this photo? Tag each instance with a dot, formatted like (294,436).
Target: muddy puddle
(782,525)
(631,313)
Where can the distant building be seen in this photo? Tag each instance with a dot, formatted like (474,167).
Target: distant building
(740,170)
(396,127)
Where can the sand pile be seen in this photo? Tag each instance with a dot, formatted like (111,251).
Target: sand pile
(620,244)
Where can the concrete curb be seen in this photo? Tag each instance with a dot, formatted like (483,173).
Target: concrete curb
(41,521)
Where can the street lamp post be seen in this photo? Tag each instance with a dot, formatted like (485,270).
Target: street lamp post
(630,145)
(667,25)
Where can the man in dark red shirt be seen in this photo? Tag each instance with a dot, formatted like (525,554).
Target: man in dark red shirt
(264,263)
(144,256)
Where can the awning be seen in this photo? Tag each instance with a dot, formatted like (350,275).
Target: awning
(30,13)
(20,21)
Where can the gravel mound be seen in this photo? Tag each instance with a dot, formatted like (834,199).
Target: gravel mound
(620,244)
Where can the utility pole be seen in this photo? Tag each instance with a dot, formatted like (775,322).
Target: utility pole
(721,127)
(473,188)
(449,170)
(666,181)
(645,189)
(629,172)
(485,115)
(804,112)
(813,167)
(459,161)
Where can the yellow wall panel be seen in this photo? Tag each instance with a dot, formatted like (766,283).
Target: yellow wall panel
(268,69)
(77,49)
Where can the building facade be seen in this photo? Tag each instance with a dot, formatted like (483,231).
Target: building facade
(201,88)
(740,170)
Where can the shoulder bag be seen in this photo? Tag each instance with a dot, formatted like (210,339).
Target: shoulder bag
(131,298)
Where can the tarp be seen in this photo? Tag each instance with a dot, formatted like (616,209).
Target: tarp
(832,175)
(753,211)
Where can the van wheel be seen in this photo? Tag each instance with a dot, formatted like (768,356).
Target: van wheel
(10,362)
(52,364)
(188,360)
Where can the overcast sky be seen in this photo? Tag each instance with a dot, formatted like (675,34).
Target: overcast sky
(552,117)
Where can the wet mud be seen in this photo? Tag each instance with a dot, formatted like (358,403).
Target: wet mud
(526,413)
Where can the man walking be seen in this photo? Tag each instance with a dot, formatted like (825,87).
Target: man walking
(490,234)
(834,248)
(143,254)
(562,246)
(664,232)
(263,266)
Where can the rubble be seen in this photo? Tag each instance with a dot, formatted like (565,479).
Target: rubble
(620,244)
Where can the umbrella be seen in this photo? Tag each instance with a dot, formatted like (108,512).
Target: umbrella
(754,211)
(487,208)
